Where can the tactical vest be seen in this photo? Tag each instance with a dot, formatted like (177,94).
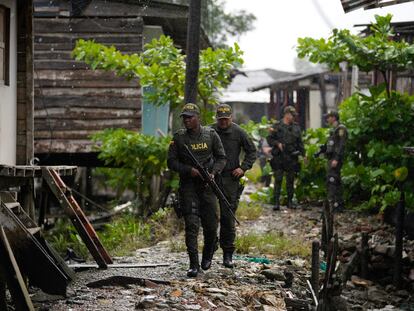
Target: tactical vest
(201,145)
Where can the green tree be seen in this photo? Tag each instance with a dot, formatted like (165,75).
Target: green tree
(219,25)
(377,51)
(162,67)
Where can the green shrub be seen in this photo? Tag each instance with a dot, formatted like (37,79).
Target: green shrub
(139,158)
(379,127)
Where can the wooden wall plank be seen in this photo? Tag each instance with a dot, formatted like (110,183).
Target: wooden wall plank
(42,102)
(123,47)
(124,92)
(86,113)
(64,124)
(84,75)
(63,146)
(117,83)
(106,38)
(89,25)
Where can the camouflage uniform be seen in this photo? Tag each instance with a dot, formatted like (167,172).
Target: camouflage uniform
(197,200)
(286,161)
(234,140)
(335,149)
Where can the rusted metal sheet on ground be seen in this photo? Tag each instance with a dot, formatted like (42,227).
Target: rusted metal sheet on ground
(78,218)
(10,271)
(41,266)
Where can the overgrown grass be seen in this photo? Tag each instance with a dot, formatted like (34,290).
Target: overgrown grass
(272,243)
(122,236)
(249,210)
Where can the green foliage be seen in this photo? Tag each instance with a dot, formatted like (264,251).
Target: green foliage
(162,67)
(378,125)
(139,156)
(220,25)
(258,131)
(310,184)
(264,195)
(271,243)
(375,51)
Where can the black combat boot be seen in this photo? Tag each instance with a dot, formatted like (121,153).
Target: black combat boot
(290,203)
(194,266)
(207,257)
(228,259)
(276,207)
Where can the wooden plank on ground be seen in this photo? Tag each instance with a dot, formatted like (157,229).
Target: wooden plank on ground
(14,279)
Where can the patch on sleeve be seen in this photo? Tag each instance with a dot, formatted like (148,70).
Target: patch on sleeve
(341,132)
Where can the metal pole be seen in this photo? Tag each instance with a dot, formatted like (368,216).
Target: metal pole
(193,51)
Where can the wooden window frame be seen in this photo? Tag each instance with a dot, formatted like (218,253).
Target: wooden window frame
(6,45)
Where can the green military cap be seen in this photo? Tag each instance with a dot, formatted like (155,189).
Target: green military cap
(332,113)
(290,109)
(190,109)
(223,111)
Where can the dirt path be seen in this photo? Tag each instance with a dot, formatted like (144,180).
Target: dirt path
(247,287)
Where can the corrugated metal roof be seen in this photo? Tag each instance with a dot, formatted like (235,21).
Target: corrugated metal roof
(350,5)
(240,88)
(289,78)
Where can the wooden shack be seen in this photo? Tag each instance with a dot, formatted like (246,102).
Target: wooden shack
(73,102)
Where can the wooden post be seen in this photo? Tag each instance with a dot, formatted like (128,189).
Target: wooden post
(324,107)
(193,51)
(315,266)
(364,255)
(399,233)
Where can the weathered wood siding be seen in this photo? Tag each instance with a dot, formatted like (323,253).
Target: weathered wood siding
(24,143)
(71,101)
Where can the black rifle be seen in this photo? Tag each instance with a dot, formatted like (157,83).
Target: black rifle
(205,176)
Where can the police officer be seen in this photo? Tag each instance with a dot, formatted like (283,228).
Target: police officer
(334,150)
(234,140)
(197,200)
(285,138)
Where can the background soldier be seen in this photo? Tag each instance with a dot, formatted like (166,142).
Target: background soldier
(334,150)
(197,200)
(234,140)
(285,138)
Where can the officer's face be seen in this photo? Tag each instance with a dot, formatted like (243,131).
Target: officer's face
(289,117)
(224,123)
(191,122)
(330,119)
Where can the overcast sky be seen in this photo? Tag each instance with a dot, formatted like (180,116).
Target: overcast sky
(280,22)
